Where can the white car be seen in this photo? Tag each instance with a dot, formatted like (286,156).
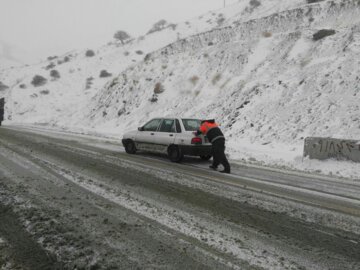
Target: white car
(172,136)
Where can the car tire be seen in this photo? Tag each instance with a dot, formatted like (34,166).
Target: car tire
(130,147)
(207,157)
(175,154)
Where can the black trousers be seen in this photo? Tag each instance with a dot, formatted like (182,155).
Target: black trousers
(218,151)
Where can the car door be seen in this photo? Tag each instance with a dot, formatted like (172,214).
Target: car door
(145,138)
(166,134)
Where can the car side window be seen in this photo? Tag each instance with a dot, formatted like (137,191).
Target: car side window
(178,127)
(167,125)
(152,125)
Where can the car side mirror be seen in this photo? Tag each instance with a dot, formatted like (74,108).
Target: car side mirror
(140,128)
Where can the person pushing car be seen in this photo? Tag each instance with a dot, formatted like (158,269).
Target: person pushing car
(217,139)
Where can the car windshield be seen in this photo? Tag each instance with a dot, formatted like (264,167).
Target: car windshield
(191,124)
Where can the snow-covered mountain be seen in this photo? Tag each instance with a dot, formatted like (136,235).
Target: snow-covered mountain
(11,56)
(271,72)
(79,75)
(266,79)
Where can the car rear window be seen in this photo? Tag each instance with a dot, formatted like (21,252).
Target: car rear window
(191,124)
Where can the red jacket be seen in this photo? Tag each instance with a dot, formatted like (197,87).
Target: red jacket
(211,130)
(206,126)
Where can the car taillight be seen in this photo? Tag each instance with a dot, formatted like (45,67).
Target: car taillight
(196,140)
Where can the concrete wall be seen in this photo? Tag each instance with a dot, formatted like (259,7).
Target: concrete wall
(324,148)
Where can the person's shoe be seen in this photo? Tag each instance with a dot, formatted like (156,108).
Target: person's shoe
(225,171)
(213,167)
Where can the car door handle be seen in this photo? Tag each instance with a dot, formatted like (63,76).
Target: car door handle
(152,133)
(171,135)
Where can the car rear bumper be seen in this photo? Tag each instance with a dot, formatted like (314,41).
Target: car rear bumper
(196,150)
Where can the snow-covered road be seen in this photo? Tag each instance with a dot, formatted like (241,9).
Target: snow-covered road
(80,202)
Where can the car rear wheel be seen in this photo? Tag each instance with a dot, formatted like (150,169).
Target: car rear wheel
(175,154)
(130,147)
(207,157)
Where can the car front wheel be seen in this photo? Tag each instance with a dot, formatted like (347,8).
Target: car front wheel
(175,154)
(130,147)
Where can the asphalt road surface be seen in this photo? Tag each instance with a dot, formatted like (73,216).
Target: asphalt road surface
(77,202)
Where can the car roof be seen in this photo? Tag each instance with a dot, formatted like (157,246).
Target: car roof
(176,117)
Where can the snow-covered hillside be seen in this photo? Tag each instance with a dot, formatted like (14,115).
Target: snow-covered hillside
(256,66)
(265,79)
(79,75)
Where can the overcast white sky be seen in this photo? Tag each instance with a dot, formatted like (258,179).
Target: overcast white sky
(52,27)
